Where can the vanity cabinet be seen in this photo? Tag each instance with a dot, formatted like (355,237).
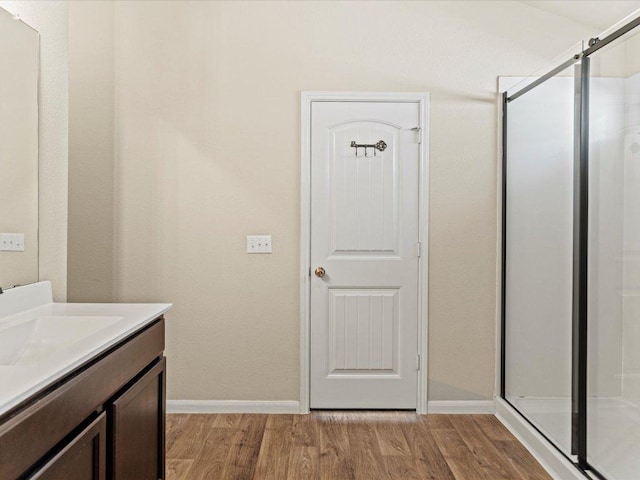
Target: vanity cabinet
(105,420)
(83,458)
(137,419)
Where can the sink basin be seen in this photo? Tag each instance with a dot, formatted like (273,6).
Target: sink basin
(33,341)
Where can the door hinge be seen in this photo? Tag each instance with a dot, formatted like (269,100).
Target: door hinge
(418,362)
(418,131)
(419,249)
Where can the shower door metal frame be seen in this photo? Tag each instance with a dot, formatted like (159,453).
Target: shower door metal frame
(579,319)
(580,266)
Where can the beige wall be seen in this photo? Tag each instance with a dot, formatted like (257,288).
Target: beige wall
(206,150)
(91,172)
(50,20)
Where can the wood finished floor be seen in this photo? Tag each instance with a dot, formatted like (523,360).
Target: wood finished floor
(345,445)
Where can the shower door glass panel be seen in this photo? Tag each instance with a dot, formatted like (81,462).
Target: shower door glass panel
(613,405)
(539,249)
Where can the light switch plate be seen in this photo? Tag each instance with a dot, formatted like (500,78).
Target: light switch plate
(259,244)
(12,242)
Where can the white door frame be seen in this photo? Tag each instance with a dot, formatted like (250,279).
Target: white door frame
(305,231)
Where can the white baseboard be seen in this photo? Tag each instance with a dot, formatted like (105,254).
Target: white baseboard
(232,406)
(556,464)
(292,406)
(461,406)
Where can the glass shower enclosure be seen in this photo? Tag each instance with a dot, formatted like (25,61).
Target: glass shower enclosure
(571,254)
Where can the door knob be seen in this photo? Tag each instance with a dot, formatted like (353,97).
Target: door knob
(320,272)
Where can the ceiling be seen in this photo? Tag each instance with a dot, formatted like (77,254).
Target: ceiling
(599,14)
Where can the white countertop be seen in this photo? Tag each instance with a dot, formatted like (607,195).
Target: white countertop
(19,379)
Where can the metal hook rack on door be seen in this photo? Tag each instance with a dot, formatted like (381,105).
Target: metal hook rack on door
(381,146)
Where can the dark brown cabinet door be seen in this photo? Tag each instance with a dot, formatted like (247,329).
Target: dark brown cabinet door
(81,459)
(137,428)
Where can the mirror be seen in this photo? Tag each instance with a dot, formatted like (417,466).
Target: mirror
(19,60)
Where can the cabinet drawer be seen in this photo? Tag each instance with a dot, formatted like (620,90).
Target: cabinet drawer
(137,425)
(83,458)
(27,436)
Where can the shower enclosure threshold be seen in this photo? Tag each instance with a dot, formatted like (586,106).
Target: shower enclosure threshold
(613,435)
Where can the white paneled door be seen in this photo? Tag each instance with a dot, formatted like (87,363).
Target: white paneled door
(364,254)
